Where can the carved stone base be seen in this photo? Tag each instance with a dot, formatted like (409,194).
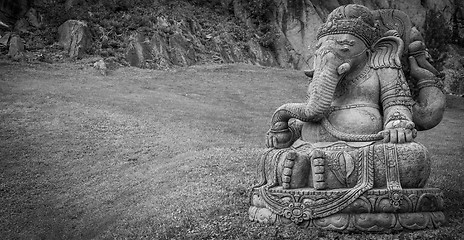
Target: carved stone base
(377,210)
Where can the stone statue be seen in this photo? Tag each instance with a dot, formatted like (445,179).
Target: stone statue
(346,158)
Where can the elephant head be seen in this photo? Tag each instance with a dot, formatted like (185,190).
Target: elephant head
(348,41)
(342,50)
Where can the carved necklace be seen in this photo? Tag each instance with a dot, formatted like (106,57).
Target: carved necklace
(345,84)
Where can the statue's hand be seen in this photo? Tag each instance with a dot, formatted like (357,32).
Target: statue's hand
(420,66)
(419,71)
(279,136)
(399,131)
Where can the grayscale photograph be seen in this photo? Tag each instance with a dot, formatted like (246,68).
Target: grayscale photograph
(232,119)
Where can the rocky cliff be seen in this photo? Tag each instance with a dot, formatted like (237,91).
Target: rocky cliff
(167,33)
(284,31)
(297,21)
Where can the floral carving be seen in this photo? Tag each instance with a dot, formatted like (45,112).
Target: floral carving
(396,199)
(297,212)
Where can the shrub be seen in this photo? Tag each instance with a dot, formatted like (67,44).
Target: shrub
(437,36)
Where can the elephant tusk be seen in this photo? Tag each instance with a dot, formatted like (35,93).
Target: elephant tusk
(345,67)
(309,73)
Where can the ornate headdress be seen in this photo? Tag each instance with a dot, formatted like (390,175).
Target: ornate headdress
(352,19)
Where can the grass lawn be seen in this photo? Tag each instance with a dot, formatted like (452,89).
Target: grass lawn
(144,154)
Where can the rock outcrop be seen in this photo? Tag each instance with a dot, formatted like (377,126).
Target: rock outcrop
(74,37)
(185,44)
(14,44)
(298,21)
(268,32)
(16,48)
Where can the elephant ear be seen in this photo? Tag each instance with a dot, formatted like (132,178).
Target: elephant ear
(393,19)
(386,52)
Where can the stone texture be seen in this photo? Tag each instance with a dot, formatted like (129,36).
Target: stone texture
(16,47)
(33,18)
(362,216)
(74,37)
(21,25)
(260,55)
(299,27)
(135,55)
(5,39)
(100,65)
(300,32)
(29,22)
(185,44)
(327,145)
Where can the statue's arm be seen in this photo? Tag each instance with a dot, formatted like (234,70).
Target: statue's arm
(295,126)
(397,102)
(286,136)
(395,96)
(430,100)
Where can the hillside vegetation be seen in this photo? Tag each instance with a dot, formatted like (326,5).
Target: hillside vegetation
(166,34)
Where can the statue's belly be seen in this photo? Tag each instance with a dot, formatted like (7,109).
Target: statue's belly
(357,121)
(362,120)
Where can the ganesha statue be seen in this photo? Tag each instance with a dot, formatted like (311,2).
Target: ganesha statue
(346,158)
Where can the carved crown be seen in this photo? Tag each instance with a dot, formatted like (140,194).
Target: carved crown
(352,19)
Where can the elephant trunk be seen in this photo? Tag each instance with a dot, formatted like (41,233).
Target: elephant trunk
(322,89)
(328,72)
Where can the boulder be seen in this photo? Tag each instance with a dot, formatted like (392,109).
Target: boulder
(182,52)
(301,31)
(260,55)
(16,48)
(21,25)
(33,18)
(138,53)
(160,51)
(134,53)
(74,37)
(5,39)
(101,67)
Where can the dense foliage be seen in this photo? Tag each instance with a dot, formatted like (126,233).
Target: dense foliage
(113,22)
(437,37)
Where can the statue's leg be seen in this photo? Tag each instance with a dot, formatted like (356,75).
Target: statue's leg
(407,163)
(318,169)
(296,170)
(289,168)
(304,169)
